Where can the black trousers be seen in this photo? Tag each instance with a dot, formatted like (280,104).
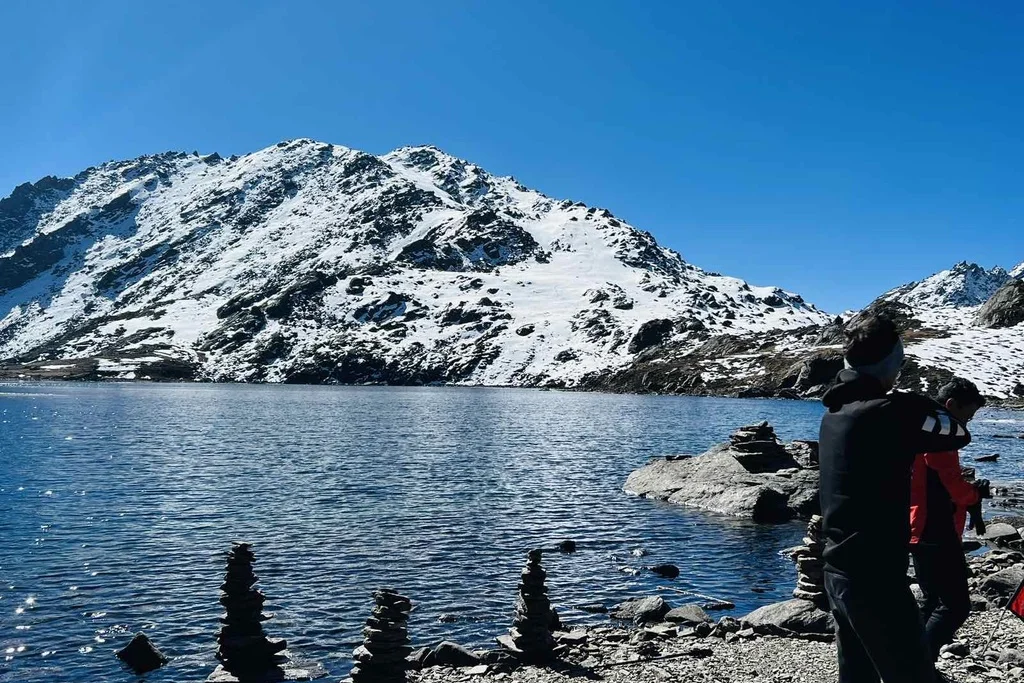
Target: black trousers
(879,635)
(942,574)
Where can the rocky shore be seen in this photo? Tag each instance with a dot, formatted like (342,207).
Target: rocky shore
(684,644)
(756,477)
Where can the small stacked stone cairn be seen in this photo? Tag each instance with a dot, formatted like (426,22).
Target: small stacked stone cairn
(758,450)
(382,656)
(244,651)
(810,568)
(530,638)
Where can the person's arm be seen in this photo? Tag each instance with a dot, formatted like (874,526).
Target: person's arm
(927,426)
(947,465)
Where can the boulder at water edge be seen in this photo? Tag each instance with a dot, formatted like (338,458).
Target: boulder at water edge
(691,615)
(642,610)
(753,476)
(796,616)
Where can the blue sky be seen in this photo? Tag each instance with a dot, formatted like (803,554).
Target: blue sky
(833,148)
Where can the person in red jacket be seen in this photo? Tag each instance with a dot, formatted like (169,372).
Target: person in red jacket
(939,500)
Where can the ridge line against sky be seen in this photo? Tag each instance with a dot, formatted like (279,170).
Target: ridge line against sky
(835,151)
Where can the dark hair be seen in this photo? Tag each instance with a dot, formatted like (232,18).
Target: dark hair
(963,391)
(870,340)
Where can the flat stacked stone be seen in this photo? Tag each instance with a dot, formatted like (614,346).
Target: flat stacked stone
(530,638)
(382,656)
(758,449)
(243,649)
(763,432)
(810,566)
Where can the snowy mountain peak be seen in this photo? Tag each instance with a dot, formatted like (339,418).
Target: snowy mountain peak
(313,262)
(1018,272)
(963,285)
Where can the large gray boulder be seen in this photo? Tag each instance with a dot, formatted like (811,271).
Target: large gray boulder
(691,614)
(797,616)
(642,610)
(1001,585)
(753,477)
(1005,308)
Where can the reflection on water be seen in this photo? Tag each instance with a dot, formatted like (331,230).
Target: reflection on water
(118,502)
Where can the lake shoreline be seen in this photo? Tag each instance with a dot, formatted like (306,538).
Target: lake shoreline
(88,374)
(734,651)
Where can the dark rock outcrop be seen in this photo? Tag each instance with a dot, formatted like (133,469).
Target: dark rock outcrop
(1005,308)
(642,610)
(651,333)
(141,655)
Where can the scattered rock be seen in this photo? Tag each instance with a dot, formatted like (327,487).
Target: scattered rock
(447,653)
(141,655)
(688,614)
(1001,534)
(956,649)
(668,571)
(1001,585)
(642,610)
(796,616)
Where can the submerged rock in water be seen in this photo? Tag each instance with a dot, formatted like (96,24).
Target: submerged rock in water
(752,476)
(141,655)
(669,571)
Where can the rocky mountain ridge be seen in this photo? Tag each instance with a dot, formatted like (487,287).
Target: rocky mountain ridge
(316,263)
(966,320)
(311,262)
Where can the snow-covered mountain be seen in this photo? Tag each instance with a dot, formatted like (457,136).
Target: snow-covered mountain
(952,336)
(965,284)
(311,262)
(965,321)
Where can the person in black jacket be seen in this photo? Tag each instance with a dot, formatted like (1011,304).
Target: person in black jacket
(868,441)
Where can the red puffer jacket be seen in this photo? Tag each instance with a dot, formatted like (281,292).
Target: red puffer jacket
(939,498)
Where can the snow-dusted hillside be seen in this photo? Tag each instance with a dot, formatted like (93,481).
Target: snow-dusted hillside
(965,284)
(946,306)
(317,263)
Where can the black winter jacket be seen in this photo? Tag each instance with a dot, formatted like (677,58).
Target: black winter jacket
(868,442)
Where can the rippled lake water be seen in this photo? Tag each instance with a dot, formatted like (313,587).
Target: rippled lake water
(119,501)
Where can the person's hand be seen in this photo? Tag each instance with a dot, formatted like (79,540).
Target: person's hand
(975,520)
(984,488)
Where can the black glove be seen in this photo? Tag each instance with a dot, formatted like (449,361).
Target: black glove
(975,520)
(984,488)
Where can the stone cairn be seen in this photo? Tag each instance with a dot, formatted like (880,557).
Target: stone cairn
(382,656)
(244,651)
(530,639)
(758,450)
(810,568)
